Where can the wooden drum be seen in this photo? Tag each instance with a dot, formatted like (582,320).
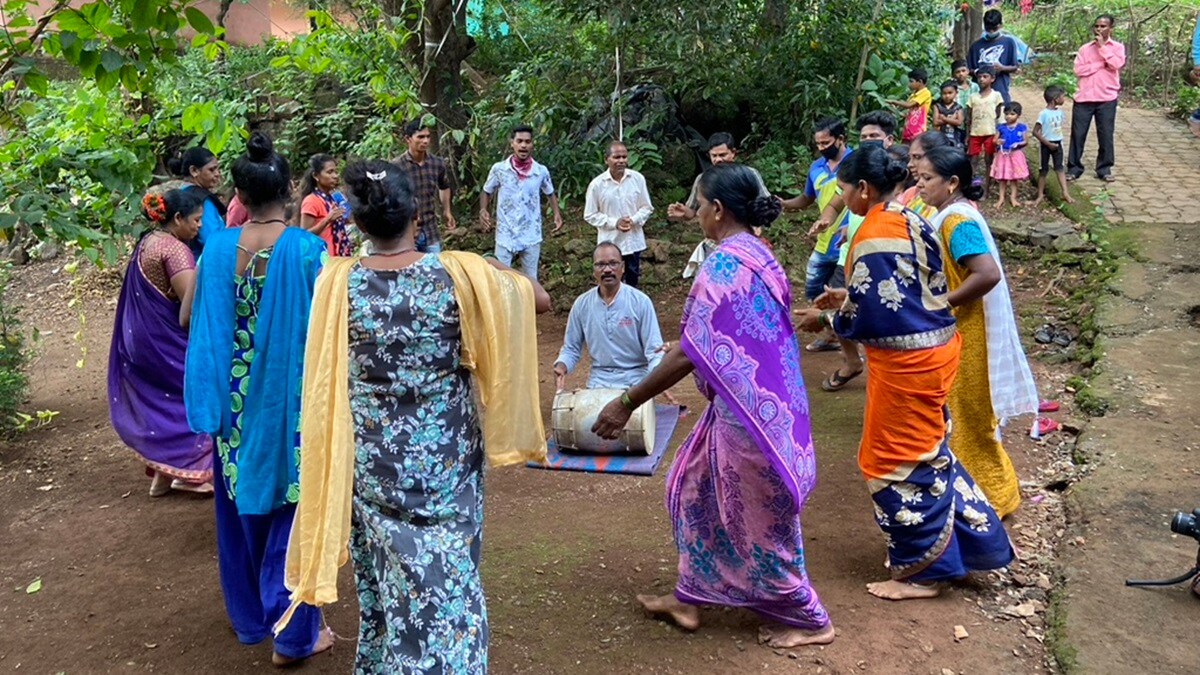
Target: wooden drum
(575,413)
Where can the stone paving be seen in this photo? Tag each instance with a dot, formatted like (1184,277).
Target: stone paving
(1157,169)
(1145,448)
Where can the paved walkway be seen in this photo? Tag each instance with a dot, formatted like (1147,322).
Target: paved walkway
(1157,169)
(1147,449)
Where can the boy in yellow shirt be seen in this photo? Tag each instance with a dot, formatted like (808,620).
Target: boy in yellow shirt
(917,105)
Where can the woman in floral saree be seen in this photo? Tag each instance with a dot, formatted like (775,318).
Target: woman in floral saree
(740,481)
(936,522)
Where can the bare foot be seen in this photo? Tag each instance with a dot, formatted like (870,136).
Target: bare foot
(1000,203)
(785,637)
(1016,204)
(686,617)
(902,590)
(324,644)
(1068,198)
(1037,202)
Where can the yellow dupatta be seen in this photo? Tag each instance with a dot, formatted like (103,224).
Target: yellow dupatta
(499,348)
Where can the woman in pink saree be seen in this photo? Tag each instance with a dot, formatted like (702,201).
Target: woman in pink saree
(739,483)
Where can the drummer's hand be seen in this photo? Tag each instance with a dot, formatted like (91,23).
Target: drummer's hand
(560,377)
(611,420)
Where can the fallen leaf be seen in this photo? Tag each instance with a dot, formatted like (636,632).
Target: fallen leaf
(151,645)
(126,494)
(45,488)
(34,586)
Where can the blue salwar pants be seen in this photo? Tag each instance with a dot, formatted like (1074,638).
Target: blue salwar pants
(251,552)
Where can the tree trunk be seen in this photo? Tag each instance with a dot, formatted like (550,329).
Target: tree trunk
(967,29)
(223,11)
(439,47)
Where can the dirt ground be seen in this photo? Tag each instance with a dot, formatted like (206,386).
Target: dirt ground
(129,583)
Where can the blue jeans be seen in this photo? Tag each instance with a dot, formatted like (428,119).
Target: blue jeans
(529,258)
(819,272)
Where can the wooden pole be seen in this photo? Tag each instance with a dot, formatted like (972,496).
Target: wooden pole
(862,64)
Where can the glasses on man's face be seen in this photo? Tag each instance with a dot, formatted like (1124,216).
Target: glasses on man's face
(606,265)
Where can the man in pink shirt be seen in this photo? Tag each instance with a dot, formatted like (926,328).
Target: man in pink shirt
(1098,68)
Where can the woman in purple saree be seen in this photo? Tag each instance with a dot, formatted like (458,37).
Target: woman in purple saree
(149,344)
(739,483)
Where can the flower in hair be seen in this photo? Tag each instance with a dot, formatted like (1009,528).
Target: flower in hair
(155,208)
(376,176)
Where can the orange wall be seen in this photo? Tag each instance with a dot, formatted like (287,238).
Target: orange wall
(247,22)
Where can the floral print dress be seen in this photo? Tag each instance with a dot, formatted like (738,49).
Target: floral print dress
(247,296)
(418,481)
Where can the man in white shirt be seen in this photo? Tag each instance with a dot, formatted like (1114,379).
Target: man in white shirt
(618,206)
(618,325)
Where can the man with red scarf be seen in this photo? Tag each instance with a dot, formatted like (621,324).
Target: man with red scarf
(521,182)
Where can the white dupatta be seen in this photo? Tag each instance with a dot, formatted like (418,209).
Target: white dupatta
(1010,380)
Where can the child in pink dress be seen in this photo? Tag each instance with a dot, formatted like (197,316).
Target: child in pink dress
(1010,166)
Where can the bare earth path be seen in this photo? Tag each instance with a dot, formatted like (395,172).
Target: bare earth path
(1146,447)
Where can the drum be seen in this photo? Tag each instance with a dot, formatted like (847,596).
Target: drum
(575,412)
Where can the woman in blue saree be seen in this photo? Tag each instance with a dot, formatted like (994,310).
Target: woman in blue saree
(740,480)
(242,386)
(200,171)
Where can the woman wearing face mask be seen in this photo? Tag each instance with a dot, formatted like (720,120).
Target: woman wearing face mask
(149,344)
(994,381)
(200,171)
(937,524)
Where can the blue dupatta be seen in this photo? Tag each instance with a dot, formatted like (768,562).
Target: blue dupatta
(267,463)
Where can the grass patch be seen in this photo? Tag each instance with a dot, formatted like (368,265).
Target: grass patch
(1065,656)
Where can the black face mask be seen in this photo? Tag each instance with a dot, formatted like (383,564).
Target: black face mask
(869,144)
(831,151)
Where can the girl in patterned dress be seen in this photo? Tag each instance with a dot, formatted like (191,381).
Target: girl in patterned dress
(936,522)
(242,386)
(323,209)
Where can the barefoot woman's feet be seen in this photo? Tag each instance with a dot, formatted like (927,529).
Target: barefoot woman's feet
(324,643)
(785,637)
(902,590)
(669,607)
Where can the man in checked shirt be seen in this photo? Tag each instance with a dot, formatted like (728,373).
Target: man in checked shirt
(430,185)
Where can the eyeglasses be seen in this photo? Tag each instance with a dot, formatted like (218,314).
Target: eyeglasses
(606,265)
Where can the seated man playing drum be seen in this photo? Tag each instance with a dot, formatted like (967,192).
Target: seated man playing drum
(618,324)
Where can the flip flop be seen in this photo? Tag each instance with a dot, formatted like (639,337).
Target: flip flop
(822,346)
(836,381)
(1046,425)
(1048,406)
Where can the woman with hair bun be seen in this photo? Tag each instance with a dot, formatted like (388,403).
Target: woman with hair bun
(242,386)
(149,344)
(937,524)
(401,346)
(994,381)
(200,171)
(740,481)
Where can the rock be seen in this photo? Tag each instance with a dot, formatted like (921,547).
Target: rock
(947,671)
(1006,230)
(960,633)
(1044,234)
(579,247)
(1072,243)
(656,251)
(1043,582)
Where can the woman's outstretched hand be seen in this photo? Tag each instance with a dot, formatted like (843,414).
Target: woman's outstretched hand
(832,298)
(612,420)
(808,320)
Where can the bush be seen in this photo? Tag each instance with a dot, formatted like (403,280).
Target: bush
(13,358)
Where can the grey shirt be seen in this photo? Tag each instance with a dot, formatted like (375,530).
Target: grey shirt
(622,338)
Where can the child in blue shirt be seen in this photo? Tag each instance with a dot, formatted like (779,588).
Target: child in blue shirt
(1049,132)
(1010,166)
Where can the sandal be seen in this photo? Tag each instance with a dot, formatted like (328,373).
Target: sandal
(1048,406)
(822,345)
(1045,425)
(198,488)
(836,381)
(1044,335)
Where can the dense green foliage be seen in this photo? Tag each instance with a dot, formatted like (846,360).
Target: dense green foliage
(81,151)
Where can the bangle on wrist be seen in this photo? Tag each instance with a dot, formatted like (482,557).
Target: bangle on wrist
(627,402)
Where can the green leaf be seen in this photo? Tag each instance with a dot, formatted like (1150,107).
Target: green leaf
(34,586)
(72,21)
(143,14)
(36,82)
(198,21)
(111,61)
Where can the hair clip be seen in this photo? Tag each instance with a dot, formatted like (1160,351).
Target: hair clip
(376,176)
